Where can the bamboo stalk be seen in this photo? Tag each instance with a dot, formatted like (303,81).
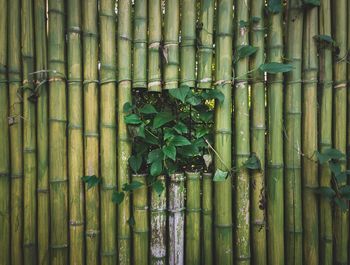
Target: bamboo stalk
(275,210)
(242,139)
(154,42)
(223,190)
(188,43)
(193,218)
(123,142)
(326,79)
(207,218)
(258,205)
(4,142)
(75,134)
(139,78)
(171,44)
(57,135)
(205,50)
(108,131)
(140,229)
(15,122)
(341,218)
(158,248)
(176,221)
(292,110)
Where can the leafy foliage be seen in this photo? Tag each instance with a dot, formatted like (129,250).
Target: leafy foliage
(91,181)
(274,67)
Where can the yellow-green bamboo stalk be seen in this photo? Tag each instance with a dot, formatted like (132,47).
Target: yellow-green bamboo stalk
(75,134)
(293,193)
(91,133)
(29,135)
(188,43)
(326,78)
(258,206)
(207,219)
(123,142)
(140,229)
(108,131)
(193,218)
(154,42)
(4,142)
(223,129)
(341,218)
(171,44)
(139,78)
(274,178)
(205,50)
(15,122)
(242,138)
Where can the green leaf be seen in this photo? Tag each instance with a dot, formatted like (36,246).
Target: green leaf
(341,177)
(132,119)
(127,107)
(91,181)
(345,190)
(214,94)
(243,24)
(155,155)
(201,132)
(326,192)
(335,167)
(162,118)
(252,162)
(180,127)
(244,51)
(148,109)
(220,175)
(325,38)
(274,67)
(194,100)
(156,168)
(188,150)
(141,131)
(329,154)
(134,185)
(150,138)
(180,93)
(274,6)
(312,2)
(322,158)
(256,19)
(206,116)
(168,133)
(158,187)
(170,151)
(179,140)
(341,203)
(135,163)
(118,197)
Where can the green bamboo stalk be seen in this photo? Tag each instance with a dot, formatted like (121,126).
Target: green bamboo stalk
(16,123)
(108,131)
(139,78)
(292,110)
(309,138)
(42,131)
(158,248)
(242,139)
(123,142)
(207,219)
(275,210)
(75,134)
(258,207)
(154,42)
(57,135)
(193,218)
(223,190)
(29,135)
(171,44)
(341,218)
(140,229)
(325,142)
(205,50)
(4,142)
(91,132)
(188,43)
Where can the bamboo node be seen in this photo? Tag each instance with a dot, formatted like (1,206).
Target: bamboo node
(56,11)
(42,190)
(125,37)
(154,83)
(154,45)
(59,246)
(108,81)
(223,225)
(109,254)
(16,176)
(29,150)
(137,231)
(54,181)
(340,85)
(92,233)
(74,29)
(243,258)
(178,210)
(223,82)
(193,210)
(86,82)
(4,174)
(76,223)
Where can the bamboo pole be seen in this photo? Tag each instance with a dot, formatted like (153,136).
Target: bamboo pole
(140,229)
(158,248)
(292,110)
(258,205)
(171,44)
(57,135)
(75,134)
(207,219)
(123,142)
(15,122)
(242,139)
(341,218)
(108,131)
(154,45)
(205,49)
(275,210)
(188,43)
(223,190)
(139,78)
(4,142)
(176,220)
(193,218)
(326,79)
(91,132)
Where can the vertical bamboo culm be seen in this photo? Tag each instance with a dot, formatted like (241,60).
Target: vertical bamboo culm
(207,219)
